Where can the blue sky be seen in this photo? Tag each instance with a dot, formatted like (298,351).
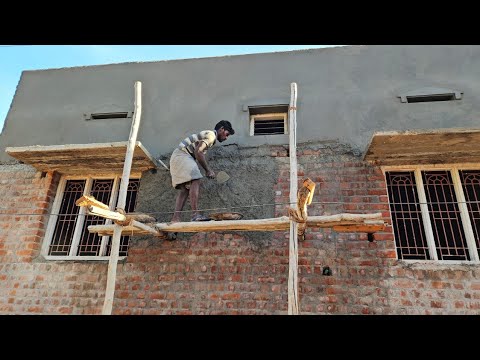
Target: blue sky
(16,58)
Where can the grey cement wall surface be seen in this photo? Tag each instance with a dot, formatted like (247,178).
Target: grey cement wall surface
(344,94)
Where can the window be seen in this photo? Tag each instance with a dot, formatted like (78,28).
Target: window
(120,115)
(268,124)
(108,115)
(435,213)
(430,94)
(430,98)
(67,235)
(268,120)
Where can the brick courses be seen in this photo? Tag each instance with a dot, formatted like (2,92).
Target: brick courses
(225,273)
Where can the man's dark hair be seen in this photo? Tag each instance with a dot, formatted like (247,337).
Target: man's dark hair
(226,125)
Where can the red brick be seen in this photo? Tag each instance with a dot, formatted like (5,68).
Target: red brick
(228,273)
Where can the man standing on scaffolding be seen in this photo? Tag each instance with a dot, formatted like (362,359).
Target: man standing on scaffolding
(185,171)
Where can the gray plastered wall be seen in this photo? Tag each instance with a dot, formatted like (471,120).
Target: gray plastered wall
(344,94)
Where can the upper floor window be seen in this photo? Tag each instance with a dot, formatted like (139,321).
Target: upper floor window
(106,113)
(268,120)
(67,235)
(100,116)
(430,94)
(435,213)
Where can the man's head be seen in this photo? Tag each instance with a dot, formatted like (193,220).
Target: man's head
(224,130)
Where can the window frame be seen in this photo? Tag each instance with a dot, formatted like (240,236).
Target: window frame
(461,202)
(266,117)
(52,221)
(429,94)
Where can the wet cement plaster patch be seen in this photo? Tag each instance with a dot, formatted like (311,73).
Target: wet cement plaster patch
(249,190)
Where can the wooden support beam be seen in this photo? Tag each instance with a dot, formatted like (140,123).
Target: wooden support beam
(304,198)
(135,228)
(341,219)
(128,221)
(148,229)
(271,224)
(122,197)
(108,214)
(143,218)
(358,228)
(339,222)
(86,200)
(98,208)
(293,303)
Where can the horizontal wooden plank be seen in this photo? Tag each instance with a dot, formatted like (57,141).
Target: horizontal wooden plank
(271,224)
(86,200)
(358,228)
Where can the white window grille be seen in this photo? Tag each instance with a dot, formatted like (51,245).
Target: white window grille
(435,213)
(268,119)
(67,235)
(268,124)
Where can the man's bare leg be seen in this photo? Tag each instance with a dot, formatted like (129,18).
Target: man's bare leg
(194,191)
(180,202)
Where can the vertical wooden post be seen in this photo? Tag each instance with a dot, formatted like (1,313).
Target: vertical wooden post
(122,199)
(293,308)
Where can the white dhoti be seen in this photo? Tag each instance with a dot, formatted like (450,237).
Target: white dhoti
(183,168)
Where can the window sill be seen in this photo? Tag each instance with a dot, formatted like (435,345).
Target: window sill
(439,262)
(81,258)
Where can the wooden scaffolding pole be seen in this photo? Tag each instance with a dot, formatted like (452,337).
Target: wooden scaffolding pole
(367,223)
(122,199)
(143,224)
(293,241)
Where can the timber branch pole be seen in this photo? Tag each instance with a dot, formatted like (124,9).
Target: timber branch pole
(122,199)
(293,242)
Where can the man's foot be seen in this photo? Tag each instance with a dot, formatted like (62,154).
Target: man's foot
(163,235)
(172,236)
(200,217)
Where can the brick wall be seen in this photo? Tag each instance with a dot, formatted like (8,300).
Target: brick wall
(227,273)
(28,284)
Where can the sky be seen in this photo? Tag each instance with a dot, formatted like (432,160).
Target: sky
(16,58)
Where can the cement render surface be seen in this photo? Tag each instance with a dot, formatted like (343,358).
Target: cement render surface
(252,177)
(344,94)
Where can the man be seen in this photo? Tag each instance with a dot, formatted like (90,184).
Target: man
(184,168)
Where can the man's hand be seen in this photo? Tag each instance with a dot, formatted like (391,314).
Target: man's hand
(200,156)
(211,174)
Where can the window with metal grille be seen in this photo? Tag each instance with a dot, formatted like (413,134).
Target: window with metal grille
(435,213)
(268,120)
(67,234)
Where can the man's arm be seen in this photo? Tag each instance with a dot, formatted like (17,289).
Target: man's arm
(200,156)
